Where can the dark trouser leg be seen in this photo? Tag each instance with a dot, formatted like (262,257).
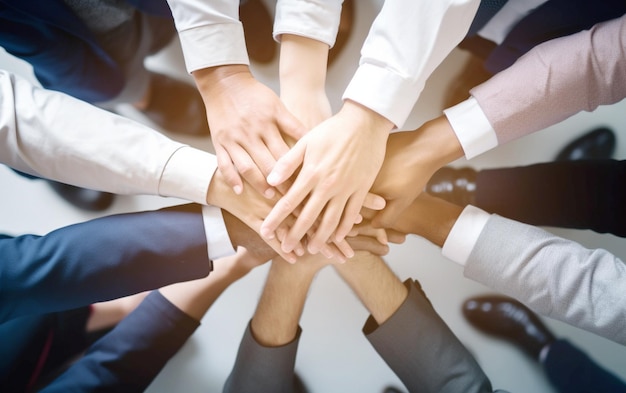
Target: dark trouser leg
(572,194)
(572,371)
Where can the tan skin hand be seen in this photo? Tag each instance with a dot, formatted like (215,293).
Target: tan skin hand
(411,159)
(249,207)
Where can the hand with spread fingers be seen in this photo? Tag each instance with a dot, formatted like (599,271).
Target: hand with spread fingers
(246,119)
(338,161)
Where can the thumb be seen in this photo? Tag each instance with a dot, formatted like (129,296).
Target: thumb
(291,126)
(287,164)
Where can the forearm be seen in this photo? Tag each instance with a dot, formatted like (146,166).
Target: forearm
(555,80)
(194,298)
(403,48)
(278,312)
(142,252)
(379,289)
(302,67)
(429,217)
(114,154)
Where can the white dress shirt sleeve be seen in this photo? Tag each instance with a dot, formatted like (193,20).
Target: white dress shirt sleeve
(53,135)
(464,234)
(407,41)
(472,128)
(315,19)
(218,241)
(210,32)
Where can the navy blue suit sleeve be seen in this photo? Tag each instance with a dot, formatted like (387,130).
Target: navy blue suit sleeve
(129,357)
(64,55)
(102,259)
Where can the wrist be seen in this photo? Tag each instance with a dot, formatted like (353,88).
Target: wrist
(439,144)
(366,118)
(303,64)
(218,190)
(213,80)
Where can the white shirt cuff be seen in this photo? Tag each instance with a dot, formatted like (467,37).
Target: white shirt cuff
(315,20)
(187,174)
(385,92)
(217,239)
(214,45)
(464,234)
(472,127)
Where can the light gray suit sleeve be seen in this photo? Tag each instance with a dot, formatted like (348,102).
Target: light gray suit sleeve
(263,369)
(553,276)
(556,80)
(422,350)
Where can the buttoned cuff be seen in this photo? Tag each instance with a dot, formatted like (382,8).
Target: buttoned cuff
(187,174)
(385,92)
(472,128)
(464,234)
(214,45)
(315,20)
(217,238)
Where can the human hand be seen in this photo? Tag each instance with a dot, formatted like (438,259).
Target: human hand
(339,160)
(429,217)
(411,159)
(243,215)
(246,119)
(382,235)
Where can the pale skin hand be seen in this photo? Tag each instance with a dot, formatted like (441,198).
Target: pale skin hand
(303,91)
(411,159)
(339,161)
(246,119)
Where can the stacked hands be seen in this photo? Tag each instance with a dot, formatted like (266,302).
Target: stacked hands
(340,186)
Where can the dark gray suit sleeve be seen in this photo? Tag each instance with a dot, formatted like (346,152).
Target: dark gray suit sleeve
(422,350)
(128,358)
(260,369)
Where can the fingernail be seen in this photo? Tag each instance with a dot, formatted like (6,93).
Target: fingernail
(238,189)
(269,193)
(287,248)
(267,234)
(313,249)
(327,252)
(299,251)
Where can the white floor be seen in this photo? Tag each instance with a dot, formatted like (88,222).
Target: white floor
(333,354)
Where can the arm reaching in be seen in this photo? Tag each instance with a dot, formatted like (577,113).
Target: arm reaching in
(412,157)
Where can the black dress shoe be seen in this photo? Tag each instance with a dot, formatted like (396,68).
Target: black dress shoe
(83,198)
(453,185)
(509,319)
(594,145)
(391,389)
(176,106)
